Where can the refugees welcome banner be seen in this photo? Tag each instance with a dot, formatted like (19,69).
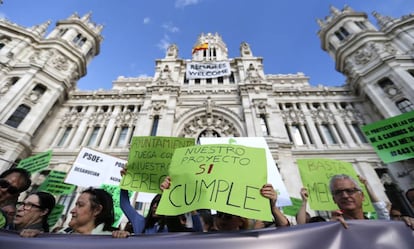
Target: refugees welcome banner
(322,235)
(206,70)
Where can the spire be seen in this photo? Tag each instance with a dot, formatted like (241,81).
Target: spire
(334,10)
(382,21)
(74,16)
(41,28)
(320,22)
(87,17)
(348,9)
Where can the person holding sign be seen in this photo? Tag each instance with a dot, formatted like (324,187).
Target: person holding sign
(32,214)
(348,195)
(230,222)
(303,217)
(93,213)
(152,223)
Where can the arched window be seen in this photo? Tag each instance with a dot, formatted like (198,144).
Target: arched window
(62,32)
(17,117)
(77,38)
(94,136)
(122,139)
(39,89)
(155,125)
(64,136)
(264,125)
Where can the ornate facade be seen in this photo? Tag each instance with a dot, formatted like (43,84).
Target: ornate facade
(41,108)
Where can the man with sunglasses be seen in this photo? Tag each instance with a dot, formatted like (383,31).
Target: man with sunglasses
(348,195)
(13,182)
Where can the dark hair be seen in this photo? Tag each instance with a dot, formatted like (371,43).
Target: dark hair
(174,223)
(150,220)
(25,175)
(408,191)
(207,218)
(46,201)
(316,219)
(107,214)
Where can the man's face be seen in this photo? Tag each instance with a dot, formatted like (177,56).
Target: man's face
(346,195)
(14,181)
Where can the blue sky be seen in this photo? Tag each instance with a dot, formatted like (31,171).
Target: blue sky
(136,32)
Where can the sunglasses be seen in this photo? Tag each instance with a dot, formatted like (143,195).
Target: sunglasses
(348,191)
(10,189)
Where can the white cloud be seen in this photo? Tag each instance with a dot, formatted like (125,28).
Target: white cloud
(164,43)
(146,20)
(170,27)
(185,3)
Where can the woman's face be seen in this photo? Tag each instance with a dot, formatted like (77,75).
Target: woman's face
(29,212)
(83,214)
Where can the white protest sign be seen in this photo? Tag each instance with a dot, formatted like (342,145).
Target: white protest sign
(93,168)
(273,175)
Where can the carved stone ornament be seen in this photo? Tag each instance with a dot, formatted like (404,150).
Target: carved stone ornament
(201,123)
(363,56)
(60,63)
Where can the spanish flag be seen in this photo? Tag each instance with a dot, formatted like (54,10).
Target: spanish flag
(202,46)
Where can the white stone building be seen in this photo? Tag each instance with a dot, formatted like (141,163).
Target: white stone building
(41,108)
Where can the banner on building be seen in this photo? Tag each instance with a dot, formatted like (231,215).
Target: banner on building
(148,161)
(392,138)
(316,174)
(223,177)
(37,162)
(207,70)
(321,235)
(273,175)
(93,168)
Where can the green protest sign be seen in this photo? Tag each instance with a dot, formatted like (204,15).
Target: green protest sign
(223,177)
(55,215)
(392,138)
(294,208)
(37,162)
(316,174)
(54,184)
(148,162)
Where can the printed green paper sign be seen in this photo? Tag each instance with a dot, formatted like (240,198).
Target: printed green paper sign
(392,138)
(148,162)
(54,184)
(37,162)
(316,174)
(224,177)
(55,215)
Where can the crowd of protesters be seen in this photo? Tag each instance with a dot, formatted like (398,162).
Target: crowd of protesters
(93,212)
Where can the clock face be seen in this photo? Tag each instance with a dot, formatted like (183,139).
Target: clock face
(34,96)
(392,91)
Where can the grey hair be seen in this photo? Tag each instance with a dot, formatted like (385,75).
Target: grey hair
(342,177)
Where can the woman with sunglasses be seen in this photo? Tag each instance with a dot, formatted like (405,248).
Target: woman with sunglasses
(12,183)
(32,214)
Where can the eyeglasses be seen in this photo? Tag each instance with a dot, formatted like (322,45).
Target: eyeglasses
(27,205)
(348,191)
(10,189)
